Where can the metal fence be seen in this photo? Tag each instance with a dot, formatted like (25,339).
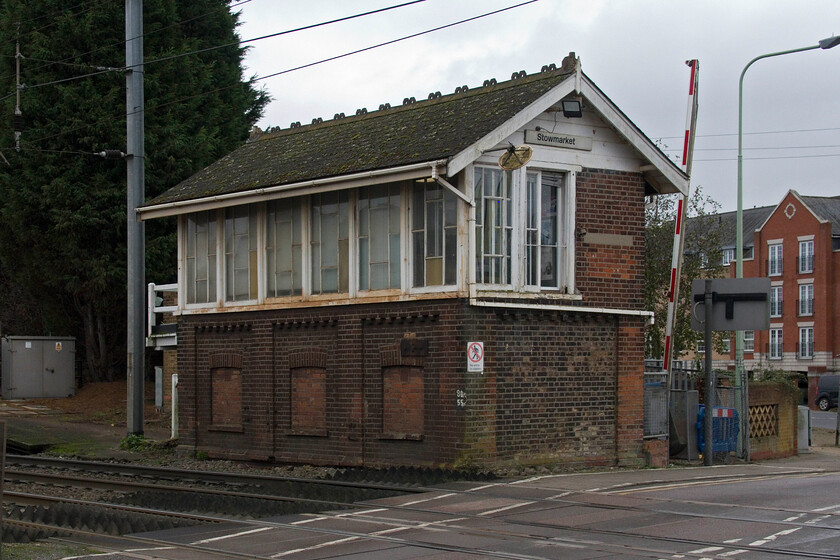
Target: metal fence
(656,404)
(685,380)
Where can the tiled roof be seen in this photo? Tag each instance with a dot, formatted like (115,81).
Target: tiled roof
(426,130)
(826,208)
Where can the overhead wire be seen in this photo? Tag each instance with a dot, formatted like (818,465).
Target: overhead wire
(117,43)
(329,59)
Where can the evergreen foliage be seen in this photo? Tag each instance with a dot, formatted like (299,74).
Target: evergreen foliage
(63,210)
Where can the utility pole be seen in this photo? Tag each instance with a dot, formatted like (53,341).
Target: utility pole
(135,187)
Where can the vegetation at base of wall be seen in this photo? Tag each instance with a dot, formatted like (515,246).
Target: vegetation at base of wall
(63,210)
(134,442)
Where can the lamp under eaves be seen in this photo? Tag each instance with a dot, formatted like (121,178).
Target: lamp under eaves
(572,108)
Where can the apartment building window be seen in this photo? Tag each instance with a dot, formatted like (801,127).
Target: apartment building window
(775,344)
(806,343)
(806,256)
(701,346)
(749,341)
(775,301)
(727,256)
(774,265)
(806,299)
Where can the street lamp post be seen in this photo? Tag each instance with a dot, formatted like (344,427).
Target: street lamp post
(824,44)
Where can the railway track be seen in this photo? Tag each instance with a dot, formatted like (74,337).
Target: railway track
(131,512)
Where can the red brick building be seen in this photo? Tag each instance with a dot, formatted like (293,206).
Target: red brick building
(334,279)
(797,245)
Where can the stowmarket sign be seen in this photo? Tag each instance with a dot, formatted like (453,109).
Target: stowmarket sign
(543,138)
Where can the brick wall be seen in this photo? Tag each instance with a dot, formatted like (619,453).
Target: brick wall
(783,401)
(609,263)
(382,385)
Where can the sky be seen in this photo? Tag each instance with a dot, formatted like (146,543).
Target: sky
(634,50)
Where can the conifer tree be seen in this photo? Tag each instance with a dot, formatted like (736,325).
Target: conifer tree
(62,209)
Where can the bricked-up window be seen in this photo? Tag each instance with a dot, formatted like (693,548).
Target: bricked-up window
(542,229)
(403,402)
(241,253)
(434,236)
(200,257)
(309,400)
(776,344)
(379,237)
(283,249)
(493,225)
(226,402)
(329,243)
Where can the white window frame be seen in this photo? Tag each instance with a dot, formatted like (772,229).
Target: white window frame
(806,256)
(216,297)
(461,239)
(776,300)
(255,238)
(775,260)
(776,344)
(806,343)
(727,256)
(566,225)
(806,300)
(749,341)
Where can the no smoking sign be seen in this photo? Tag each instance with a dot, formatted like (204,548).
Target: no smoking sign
(475,357)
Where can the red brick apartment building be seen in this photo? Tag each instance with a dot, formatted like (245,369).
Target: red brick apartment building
(400,287)
(797,245)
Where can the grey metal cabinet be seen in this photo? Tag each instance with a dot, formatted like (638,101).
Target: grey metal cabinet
(38,367)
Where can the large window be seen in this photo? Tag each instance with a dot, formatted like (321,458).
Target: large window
(776,344)
(806,299)
(774,265)
(329,243)
(806,256)
(200,257)
(543,229)
(776,301)
(283,248)
(493,226)
(379,237)
(806,343)
(434,236)
(241,253)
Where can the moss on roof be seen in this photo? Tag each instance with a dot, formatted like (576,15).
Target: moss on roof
(423,131)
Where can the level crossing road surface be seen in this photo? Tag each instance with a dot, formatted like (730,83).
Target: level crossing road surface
(747,512)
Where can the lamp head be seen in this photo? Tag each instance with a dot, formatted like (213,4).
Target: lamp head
(830,42)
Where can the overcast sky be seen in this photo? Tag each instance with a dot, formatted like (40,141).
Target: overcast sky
(635,51)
